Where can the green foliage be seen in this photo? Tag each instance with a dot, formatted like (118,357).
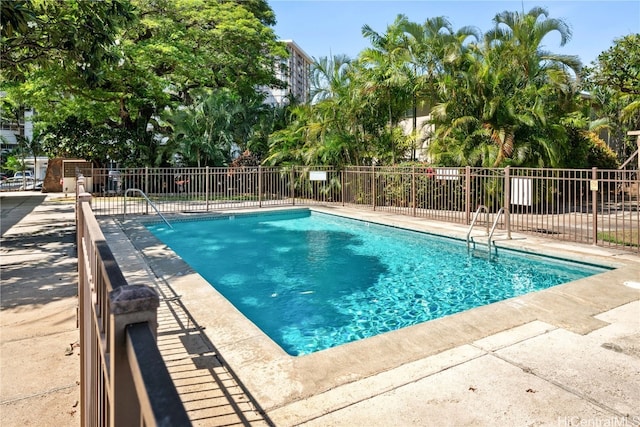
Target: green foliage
(203,44)
(628,237)
(497,100)
(330,77)
(600,155)
(78,138)
(502,106)
(14,164)
(219,121)
(613,83)
(619,66)
(119,64)
(587,150)
(75,35)
(137,82)
(386,71)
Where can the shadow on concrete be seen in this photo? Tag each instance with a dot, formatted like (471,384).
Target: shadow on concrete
(39,265)
(14,208)
(230,403)
(36,283)
(210,390)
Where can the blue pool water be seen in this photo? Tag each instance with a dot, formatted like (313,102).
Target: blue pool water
(312,281)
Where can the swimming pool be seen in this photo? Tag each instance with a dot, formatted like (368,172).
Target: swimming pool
(312,281)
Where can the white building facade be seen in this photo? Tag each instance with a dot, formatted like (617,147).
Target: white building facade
(9,129)
(295,72)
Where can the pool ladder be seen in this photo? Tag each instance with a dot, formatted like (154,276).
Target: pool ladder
(489,232)
(137,190)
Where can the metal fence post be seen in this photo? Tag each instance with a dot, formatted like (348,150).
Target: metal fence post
(206,188)
(292,186)
(146,180)
(467,193)
(146,187)
(373,186)
(259,186)
(413,188)
(81,196)
(507,200)
(594,203)
(342,186)
(129,304)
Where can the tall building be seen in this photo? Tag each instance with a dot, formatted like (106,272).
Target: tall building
(10,128)
(295,72)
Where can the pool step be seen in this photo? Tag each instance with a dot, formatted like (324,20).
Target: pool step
(480,248)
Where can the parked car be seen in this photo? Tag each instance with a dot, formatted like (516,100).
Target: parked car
(33,186)
(20,184)
(12,184)
(25,174)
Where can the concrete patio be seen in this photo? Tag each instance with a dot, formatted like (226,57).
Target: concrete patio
(39,363)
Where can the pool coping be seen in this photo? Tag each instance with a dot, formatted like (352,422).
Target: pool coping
(277,380)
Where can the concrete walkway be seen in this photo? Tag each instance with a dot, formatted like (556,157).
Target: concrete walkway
(39,363)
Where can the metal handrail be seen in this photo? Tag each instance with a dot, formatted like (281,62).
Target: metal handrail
(489,231)
(473,222)
(493,227)
(148,201)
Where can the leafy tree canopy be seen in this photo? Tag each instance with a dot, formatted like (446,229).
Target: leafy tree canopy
(613,86)
(150,57)
(138,81)
(75,34)
(619,66)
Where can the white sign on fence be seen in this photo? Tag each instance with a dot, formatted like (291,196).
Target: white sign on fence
(521,191)
(448,174)
(317,176)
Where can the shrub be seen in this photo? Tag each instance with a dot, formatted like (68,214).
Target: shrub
(587,150)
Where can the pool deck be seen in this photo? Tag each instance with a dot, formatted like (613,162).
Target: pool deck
(570,352)
(569,355)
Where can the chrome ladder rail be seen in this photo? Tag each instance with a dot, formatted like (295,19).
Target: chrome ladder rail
(489,232)
(493,228)
(473,223)
(148,201)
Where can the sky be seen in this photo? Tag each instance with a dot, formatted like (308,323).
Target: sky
(331,27)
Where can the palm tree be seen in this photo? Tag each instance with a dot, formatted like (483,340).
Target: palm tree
(547,79)
(386,64)
(329,77)
(513,93)
(386,84)
(431,46)
(526,32)
(204,131)
(287,145)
